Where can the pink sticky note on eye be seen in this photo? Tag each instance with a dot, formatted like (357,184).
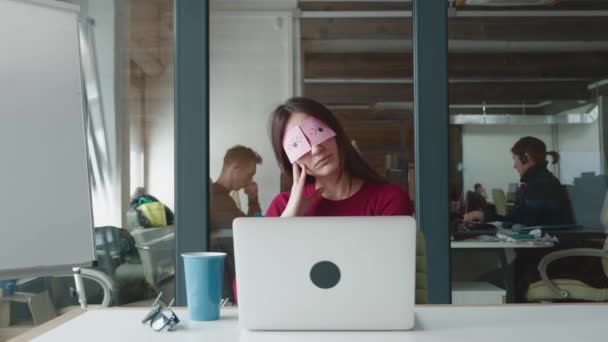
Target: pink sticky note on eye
(295,144)
(316,131)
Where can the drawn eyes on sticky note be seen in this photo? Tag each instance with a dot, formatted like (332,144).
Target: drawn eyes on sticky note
(316,131)
(299,139)
(295,144)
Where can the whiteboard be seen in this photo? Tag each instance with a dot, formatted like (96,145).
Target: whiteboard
(45,203)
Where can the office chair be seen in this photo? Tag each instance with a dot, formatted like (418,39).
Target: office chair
(500,201)
(156,248)
(108,248)
(549,289)
(101,282)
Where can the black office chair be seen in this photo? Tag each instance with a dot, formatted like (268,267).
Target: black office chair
(571,288)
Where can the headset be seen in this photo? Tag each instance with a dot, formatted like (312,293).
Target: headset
(523,159)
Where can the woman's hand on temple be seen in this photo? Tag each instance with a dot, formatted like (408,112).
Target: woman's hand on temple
(299,203)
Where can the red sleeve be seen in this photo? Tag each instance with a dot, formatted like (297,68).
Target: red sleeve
(394,200)
(278,205)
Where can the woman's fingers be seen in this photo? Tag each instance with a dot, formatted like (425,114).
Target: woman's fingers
(295,172)
(302,179)
(298,202)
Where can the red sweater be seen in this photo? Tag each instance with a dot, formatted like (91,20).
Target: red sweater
(373,199)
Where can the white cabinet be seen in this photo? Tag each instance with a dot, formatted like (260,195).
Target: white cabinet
(472,292)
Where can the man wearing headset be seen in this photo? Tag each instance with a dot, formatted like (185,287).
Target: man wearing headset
(541,199)
(240,165)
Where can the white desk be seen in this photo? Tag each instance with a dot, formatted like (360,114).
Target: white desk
(506,254)
(477,293)
(535,323)
(501,244)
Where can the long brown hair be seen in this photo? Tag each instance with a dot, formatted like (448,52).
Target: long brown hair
(535,148)
(350,160)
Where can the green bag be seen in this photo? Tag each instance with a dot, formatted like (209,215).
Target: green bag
(152,214)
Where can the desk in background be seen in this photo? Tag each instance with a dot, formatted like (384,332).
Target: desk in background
(473,244)
(502,248)
(508,323)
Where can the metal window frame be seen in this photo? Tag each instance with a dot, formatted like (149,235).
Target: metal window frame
(191,67)
(431,120)
(431,136)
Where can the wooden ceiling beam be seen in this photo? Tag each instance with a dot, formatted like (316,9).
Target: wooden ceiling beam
(354,6)
(357,115)
(473,28)
(513,92)
(591,65)
(145,40)
(311,5)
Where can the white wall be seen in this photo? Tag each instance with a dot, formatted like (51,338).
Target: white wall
(159,129)
(136,139)
(250,75)
(159,154)
(487,156)
(108,42)
(579,146)
(487,153)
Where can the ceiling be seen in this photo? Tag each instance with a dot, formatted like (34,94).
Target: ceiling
(360,52)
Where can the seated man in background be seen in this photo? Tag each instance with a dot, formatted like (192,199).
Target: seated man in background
(481,196)
(542,199)
(240,165)
(474,200)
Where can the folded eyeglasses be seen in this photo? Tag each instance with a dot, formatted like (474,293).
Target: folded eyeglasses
(161,317)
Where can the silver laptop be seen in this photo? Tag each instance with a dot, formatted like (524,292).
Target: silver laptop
(325,273)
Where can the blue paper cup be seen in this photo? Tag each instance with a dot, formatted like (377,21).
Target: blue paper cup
(204,273)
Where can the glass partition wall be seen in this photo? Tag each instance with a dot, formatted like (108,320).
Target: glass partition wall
(527,163)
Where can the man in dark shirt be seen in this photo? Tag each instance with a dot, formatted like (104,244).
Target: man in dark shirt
(240,166)
(541,199)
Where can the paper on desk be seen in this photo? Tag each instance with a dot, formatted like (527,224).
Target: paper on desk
(538,235)
(546,238)
(486,238)
(549,238)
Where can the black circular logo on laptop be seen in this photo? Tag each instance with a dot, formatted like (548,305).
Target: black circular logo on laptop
(325,274)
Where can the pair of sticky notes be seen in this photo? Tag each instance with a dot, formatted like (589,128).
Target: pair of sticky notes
(300,139)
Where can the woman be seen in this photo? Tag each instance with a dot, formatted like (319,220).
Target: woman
(541,199)
(329,176)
